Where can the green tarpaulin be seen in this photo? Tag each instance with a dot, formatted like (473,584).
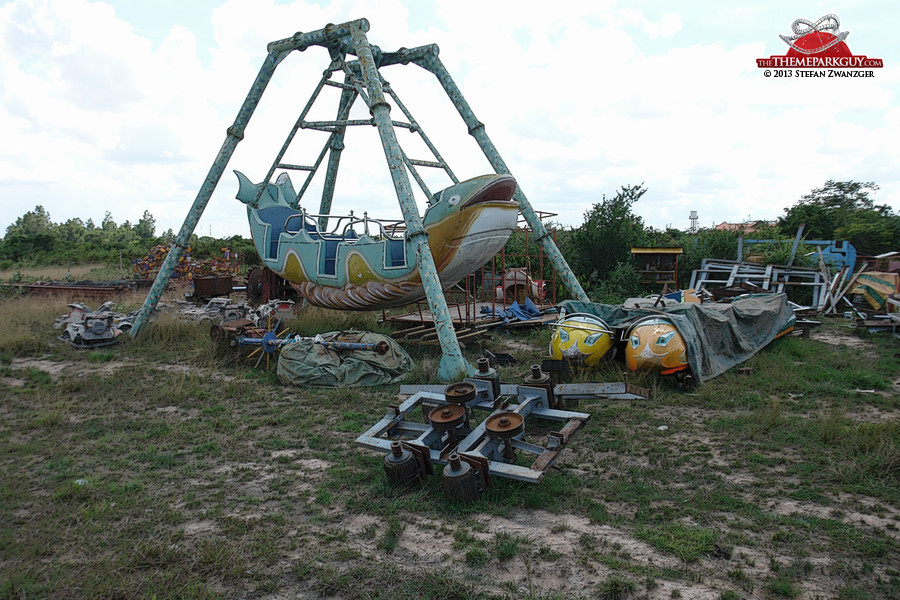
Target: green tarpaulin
(718,336)
(306,363)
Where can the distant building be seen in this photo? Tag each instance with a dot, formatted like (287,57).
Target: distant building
(747,227)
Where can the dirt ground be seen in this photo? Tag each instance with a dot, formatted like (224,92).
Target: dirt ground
(776,532)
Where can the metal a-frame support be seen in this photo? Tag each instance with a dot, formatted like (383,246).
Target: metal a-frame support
(350,38)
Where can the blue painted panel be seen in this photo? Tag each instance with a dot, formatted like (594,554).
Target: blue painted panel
(275,216)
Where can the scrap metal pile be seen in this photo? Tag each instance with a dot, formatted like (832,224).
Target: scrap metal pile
(149,265)
(227,264)
(84,328)
(186,269)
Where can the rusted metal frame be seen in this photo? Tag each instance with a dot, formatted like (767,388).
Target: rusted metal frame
(422,457)
(331,126)
(290,167)
(546,458)
(424,163)
(452,364)
(407,55)
(478,445)
(349,95)
(340,84)
(234,135)
(277,50)
(353,78)
(312,172)
(351,89)
(394,423)
(413,127)
(430,62)
(617,390)
(416,128)
(330,33)
(532,402)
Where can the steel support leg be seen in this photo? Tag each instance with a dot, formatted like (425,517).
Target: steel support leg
(235,134)
(334,157)
(452,365)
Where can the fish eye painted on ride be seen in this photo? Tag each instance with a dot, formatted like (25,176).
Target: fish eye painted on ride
(654,345)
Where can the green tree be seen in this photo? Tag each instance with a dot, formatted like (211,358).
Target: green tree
(33,223)
(146,226)
(72,231)
(31,234)
(706,243)
(844,210)
(605,238)
(108,223)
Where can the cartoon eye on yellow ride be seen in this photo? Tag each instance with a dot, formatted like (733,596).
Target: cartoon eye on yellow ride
(581,338)
(654,345)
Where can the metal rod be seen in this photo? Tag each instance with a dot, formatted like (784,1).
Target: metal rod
(348,97)
(288,167)
(330,33)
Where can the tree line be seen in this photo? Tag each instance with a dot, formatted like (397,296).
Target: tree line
(35,240)
(598,250)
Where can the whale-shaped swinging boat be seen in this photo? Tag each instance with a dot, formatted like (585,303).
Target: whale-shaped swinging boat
(369,264)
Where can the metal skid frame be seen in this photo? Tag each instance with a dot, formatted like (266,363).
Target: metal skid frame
(478,448)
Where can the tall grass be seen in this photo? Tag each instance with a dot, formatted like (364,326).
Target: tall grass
(94,272)
(26,325)
(311,320)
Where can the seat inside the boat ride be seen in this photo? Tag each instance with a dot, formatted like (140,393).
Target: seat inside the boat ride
(328,243)
(394,247)
(276,218)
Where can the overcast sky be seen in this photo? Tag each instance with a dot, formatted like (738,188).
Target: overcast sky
(122,106)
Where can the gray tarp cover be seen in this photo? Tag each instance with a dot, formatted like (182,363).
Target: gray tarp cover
(306,363)
(718,336)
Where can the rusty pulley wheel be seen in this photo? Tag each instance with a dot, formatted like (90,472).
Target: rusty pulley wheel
(444,418)
(504,425)
(219,336)
(460,392)
(257,287)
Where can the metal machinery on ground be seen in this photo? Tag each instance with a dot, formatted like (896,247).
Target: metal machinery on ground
(362,79)
(264,285)
(481,430)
